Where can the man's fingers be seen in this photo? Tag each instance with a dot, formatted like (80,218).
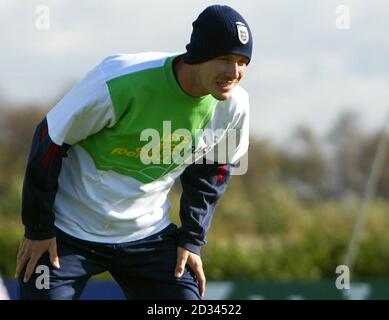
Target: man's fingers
(22,260)
(30,252)
(182,257)
(180,268)
(20,249)
(194,262)
(30,268)
(53,254)
(200,276)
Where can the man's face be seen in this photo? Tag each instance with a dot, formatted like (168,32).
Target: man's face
(220,75)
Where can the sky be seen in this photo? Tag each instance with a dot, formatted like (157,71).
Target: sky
(312,59)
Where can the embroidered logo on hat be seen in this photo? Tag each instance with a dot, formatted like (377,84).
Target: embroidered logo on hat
(243,33)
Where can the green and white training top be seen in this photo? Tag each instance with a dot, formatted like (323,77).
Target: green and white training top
(106,191)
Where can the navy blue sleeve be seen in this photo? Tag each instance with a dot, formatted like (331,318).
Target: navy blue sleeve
(202,186)
(41,184)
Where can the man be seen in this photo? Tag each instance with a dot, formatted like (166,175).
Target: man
(94,199)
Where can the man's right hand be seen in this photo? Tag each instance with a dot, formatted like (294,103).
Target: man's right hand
(30,252)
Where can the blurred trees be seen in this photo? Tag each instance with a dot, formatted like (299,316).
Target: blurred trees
(365,158)
(17,126)
(303,164)
(347,140)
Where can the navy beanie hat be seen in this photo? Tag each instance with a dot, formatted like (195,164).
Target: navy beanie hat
(219,30)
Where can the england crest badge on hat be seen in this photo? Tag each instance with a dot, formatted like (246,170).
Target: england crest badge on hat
(243,32)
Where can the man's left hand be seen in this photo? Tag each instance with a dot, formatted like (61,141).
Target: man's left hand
(194,262)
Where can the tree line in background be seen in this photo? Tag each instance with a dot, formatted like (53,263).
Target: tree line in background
(290,217)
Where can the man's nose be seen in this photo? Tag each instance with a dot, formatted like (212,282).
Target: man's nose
(233,70)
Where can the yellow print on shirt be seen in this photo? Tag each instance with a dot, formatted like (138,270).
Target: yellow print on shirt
(167,145)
